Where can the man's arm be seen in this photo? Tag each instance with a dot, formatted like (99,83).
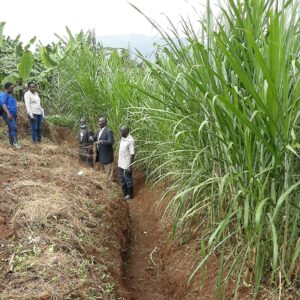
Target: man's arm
(96,142)
(9,116)
(132,155)
(27,105)
(110,138)
(131,162)
(91,136)
(3,100)
(95,137)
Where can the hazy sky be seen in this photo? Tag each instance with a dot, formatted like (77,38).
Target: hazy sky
(43,18)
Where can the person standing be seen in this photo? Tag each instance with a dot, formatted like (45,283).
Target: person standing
(85,140)
(9,111)
(104,140)
(35,112)
(125,161)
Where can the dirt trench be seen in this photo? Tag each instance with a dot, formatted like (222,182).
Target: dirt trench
(159,268)
(155,267)
(142,276)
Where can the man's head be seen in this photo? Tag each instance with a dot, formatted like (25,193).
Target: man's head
(124,131)
(82,123)
(9,87)
(32,87)
(102,122)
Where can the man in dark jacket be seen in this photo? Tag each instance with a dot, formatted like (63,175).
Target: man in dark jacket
(104,140)
(85,140)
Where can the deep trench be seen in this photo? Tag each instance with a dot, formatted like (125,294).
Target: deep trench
(143,277)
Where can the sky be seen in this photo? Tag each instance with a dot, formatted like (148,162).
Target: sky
(108,17)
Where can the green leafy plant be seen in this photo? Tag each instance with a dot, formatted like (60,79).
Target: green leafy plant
(25,65)
(223,116)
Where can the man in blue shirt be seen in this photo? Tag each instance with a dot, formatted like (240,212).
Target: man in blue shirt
(8,111)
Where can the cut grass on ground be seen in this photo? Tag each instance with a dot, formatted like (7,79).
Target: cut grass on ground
(60,232)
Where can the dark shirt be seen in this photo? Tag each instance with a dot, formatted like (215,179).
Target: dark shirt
(86,138)
(105,151)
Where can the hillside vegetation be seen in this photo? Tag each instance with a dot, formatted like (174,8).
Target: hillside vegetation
(216,120)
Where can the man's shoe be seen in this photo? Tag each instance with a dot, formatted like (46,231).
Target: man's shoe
(124,190)
(130,192)
(16,144)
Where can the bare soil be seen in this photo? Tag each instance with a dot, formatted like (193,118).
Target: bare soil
(157,268)
(62,235)
(143,277)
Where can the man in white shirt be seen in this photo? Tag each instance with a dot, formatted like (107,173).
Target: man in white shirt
(35,112)
(126,157)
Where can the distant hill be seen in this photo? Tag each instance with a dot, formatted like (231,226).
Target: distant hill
(141,42)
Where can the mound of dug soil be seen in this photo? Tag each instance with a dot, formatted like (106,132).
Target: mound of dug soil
(62,235)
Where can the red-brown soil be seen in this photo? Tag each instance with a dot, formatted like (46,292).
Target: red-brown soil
(143,277)
(158,268)
(5,231)
(62,235)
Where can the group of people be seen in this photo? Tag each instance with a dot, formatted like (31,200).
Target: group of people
(9,112)
(103,139)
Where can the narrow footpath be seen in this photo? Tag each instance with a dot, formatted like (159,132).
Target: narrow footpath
(142,277)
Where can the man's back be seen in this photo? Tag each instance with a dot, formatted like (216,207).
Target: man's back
(126,149)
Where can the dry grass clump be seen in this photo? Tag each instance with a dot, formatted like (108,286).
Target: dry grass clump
(68,229)
(39,208)
(56,150)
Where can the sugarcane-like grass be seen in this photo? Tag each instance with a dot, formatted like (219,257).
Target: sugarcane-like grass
(222,126)
(216,116)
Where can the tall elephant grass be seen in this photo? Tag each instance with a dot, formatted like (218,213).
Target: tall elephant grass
(222,126)
(92,82)
(216,116)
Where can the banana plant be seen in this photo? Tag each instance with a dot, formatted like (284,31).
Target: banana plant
(26,64)
(1,33)
(16,60)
